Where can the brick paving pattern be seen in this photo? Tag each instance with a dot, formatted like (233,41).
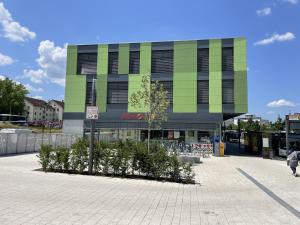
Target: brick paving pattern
(223,195)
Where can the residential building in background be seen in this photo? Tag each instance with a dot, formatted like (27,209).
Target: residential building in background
(40,112)
(245,118)
(58,107)
(206,82)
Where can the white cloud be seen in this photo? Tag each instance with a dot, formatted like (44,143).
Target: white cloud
(264,12)
(2,77)
(30,88)
(38,97)
(35,76)
(12,29)
(291,1)
(5,60)
(52,62)
(276,38)
(281,103)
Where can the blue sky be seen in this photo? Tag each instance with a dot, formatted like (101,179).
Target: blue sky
(33,36)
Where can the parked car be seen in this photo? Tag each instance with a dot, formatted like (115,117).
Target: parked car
(15,131)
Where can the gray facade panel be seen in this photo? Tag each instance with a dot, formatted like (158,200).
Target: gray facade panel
(134,46)
(87,48)
(117,77)
(228,108)
(203,43)
(113,47)
(168,45)
(227,42)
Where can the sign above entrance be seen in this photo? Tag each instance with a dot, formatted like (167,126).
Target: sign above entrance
(92,112)
(132,116)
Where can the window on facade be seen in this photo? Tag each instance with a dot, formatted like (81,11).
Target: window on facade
(168,86)
(87,63)
(134,62)
(117,92)
(227,59)
(202,59)
(202,92)
(88,96)
(228,91)
(162,61)
(113,62)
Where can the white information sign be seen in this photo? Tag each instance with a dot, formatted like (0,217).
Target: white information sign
(92,112)
(266,142)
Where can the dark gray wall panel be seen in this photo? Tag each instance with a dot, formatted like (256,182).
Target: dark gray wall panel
(87,48)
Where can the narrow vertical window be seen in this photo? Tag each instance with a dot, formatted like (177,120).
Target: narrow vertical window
(228,91)
(113,58)
(134,62)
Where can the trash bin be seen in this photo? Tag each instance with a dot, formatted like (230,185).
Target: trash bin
(222,149)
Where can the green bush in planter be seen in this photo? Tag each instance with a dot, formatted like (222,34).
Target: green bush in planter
(159,163)
(44,156)
(79,155)
(174,168)
(142,161)
(188,174)
(102,158)
(62,158)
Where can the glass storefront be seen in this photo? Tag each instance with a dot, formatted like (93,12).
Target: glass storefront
(187,136)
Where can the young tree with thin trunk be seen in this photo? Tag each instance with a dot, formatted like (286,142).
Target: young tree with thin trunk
(153,98)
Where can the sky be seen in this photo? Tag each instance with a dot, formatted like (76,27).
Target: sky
(34,35)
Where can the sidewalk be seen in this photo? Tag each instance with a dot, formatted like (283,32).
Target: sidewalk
(224,195)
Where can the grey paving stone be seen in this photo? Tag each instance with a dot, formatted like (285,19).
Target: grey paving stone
(223,195)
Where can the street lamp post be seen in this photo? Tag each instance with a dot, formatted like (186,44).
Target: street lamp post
(92,133)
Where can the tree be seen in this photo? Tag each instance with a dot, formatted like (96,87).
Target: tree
(279,124)
(12,97)
(153,98)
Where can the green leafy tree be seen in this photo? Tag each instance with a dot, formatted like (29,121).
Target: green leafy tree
(12,97)
(279,124)
(153,97)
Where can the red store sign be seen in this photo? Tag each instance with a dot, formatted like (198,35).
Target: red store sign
(132,116)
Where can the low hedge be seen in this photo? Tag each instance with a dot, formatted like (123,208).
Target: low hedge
(121,158)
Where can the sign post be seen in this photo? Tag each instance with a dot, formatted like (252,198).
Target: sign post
(92,115)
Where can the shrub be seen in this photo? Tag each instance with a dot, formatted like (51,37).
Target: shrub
(159,163)
(174,168)
(188,175)
(62,158)
(118,158)
(79,155)
(44,156)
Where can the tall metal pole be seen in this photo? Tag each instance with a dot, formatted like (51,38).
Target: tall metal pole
(287,132)
(239,134)
(92,131)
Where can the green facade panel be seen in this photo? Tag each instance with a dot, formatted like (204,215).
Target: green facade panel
(215,76)
(101,87)
(75,93)
(102,59)
(145,58)
(135,80)
(134,84)
(185,77)
(240,76)
(102,73)
(71,60)
(123,67)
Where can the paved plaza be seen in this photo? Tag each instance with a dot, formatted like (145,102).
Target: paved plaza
(231,190)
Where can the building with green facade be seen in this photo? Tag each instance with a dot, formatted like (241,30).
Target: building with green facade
(206,82)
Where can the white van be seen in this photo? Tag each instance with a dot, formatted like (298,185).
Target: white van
(15,131)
